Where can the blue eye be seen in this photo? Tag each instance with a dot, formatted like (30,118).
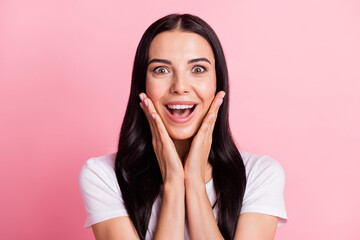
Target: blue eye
(202,69)
(161,70)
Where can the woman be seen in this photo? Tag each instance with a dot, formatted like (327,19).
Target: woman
(177,173)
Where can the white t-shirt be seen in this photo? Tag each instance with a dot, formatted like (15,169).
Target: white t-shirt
(103,200)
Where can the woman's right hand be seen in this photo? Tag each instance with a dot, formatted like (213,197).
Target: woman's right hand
(169,161)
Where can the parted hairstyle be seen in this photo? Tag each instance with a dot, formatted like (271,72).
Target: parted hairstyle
(137,170)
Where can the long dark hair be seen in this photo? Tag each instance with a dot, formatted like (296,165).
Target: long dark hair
(136,166)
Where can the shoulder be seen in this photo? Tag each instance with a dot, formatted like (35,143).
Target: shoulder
(98,167)
(105,162)
(100,190)
(263,166)
(265,182)
(99,171)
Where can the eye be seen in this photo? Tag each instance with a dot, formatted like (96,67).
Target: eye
(199,69)
(161,70)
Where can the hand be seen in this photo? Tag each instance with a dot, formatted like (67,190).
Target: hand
(196,162)
(169,161)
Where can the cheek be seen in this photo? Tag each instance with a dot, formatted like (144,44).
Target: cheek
(206,92)
(154,91)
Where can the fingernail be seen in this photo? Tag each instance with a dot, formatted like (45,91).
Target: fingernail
(141,105)
(220,102)
(153,116)
(212,115)
(146,102)
(141,96)
(222,94)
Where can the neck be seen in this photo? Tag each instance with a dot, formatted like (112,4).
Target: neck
(182,147)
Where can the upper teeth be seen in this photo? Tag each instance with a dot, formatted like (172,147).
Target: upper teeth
(180,106)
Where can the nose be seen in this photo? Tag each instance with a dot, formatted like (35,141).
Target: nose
(180,84)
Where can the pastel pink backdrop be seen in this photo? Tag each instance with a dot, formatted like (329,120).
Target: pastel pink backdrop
(65,69)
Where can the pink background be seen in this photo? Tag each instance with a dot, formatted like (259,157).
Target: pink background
(65,69)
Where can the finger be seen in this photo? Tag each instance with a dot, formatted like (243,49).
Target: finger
(164,135)
(156,119)
(218,104)
(160,132)
(210,118)
(147,114)
(145,106)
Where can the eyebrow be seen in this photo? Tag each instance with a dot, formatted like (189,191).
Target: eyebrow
(169,62)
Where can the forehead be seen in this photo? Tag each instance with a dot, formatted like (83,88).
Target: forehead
(177,45)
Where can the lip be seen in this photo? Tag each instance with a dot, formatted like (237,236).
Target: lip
(181,103)
(180,120)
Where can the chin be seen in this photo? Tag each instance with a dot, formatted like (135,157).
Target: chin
(181,134)
(182,131)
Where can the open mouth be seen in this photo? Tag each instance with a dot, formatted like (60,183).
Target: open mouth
(180,111)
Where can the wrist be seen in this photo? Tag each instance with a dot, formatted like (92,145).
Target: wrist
(194,182)
(173,182)
(174,192)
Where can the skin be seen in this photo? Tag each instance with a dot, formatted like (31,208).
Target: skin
(181,81)
(182,150)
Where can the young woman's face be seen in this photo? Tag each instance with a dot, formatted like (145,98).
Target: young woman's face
(181,80)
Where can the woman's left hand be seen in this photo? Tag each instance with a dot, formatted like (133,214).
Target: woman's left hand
(196,161)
